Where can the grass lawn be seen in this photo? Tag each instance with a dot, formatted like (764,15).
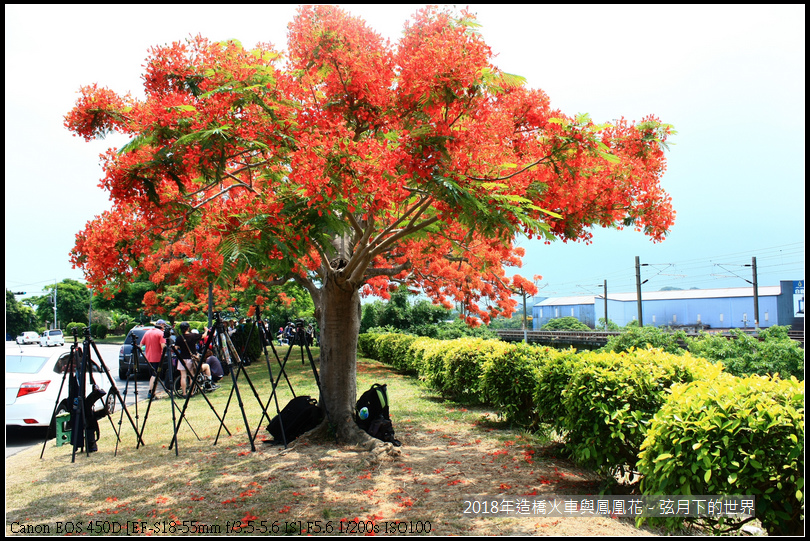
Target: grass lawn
(449,451)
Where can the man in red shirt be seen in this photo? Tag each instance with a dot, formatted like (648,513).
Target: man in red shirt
(154,344)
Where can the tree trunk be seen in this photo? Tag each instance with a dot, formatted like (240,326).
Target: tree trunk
(340,327)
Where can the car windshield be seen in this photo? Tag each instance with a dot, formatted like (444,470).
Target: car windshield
(20,364)
(55,333)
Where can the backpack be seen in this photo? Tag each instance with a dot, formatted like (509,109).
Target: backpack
(300,415)
(377,422)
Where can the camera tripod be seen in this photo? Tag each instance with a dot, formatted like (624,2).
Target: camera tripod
(299,338)
(218,340)
(76,372)
(164,369)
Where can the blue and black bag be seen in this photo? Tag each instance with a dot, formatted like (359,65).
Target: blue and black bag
(376,419)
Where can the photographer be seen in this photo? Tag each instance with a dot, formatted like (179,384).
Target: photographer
(216,367)
(185,348)
(154,343)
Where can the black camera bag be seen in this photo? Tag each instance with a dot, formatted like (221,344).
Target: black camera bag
(300,415)
(378,423)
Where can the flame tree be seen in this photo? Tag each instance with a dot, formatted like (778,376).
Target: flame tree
(351,165)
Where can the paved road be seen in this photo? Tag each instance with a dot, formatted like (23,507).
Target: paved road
(18,438)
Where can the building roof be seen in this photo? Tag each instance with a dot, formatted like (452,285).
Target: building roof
(764,291)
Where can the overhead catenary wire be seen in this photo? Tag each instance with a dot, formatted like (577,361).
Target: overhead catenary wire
(783,261)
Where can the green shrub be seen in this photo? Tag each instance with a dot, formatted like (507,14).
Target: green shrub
(393,348)
(99,330)
(459,329)
(508,382)
(414,356)
(612,397)
(247,342)
(772,353)
(645,338)
(464,367)
(365,345)
(431,369)
(553,377)
(730,435)
(567,323)
(68,331)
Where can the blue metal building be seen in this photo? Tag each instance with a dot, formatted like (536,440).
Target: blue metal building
(700,308)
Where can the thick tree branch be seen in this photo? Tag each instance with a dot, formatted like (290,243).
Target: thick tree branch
(391,271)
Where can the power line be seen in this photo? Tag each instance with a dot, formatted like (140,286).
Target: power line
(696,271)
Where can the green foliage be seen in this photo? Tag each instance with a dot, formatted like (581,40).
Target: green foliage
(416,352)
(72,302)
(515,322)
(611,326)
(508,382)
(459,329)
(277,312)
(366,345)
(97,330)
(742,354)
(715,434)
(393,349)
(68,331)
(19,318)
(464,367)
(431,368)
(400,315)
(553,376)
(611,399)
(565,324)
(728,435)
(247,342)
(646,337)
(128,300)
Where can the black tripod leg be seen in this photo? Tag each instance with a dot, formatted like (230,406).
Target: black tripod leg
(65,373)
(275,385)
(121,418)
(113,387)
(79,428)
(228,346)
(318,383)
(273,397)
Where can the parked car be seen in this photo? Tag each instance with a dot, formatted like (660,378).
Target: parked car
(33,382)
(28,337)
(125,353)
(52,338)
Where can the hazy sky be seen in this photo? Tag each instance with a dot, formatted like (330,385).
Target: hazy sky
(731,79)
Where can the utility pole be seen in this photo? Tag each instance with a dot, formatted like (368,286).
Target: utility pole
(638,291)
(606,315)
(756,295)
(54,304)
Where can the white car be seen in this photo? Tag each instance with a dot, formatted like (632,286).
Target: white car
(28,337)
(33,381)
(52,338)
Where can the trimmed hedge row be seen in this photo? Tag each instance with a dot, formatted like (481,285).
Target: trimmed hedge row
(635,411)
(731,435)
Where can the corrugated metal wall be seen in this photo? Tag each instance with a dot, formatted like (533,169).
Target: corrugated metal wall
(717,313)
